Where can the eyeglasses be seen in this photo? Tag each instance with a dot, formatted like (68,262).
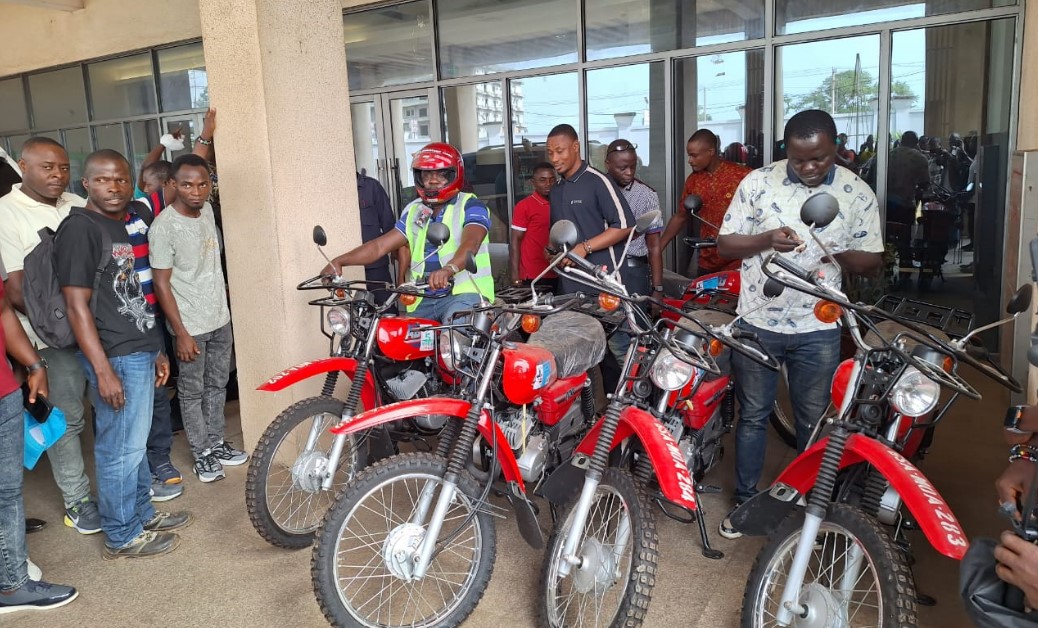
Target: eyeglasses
(621,147)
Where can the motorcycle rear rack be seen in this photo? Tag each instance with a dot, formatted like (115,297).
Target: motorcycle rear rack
(955,323)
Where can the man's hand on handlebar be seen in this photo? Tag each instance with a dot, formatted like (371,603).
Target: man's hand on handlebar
(784,239)
(440,279)
(578,251)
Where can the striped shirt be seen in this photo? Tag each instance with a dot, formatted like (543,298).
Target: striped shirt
(642,199)
(137,229)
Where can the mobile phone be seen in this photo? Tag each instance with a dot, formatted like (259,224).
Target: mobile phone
(39,410)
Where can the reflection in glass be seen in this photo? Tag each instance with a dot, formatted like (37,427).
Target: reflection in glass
(187,133)
(617,28)
(144,134)
(13,116)
(122,87)
(410,124)
(110,136)
(539,33)
(539,103)
(183,81)
(799,16)
(365,138)
(474,120)
(58,98)
(627,102)
(389,46)
(77,143)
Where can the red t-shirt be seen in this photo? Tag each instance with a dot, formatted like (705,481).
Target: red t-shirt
(716,189)
(8,384)
(532,216)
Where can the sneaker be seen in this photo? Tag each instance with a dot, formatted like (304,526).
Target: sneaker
(166,521)
(167,473)
(146,545)
(162,492)
(35,573)
(208,468)
(36,596)
(726,529)
(84,517)
(229,456)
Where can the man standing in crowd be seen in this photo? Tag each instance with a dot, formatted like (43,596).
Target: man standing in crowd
(40,201)
(439,176)
(644,262)
(122,356)
(376,219)
(909,176)
(714,180)
(591,201)
(192,290)
(764,217)
(20,589)
(531,222)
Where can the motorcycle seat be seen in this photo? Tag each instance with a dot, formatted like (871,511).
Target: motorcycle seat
(674,285)
(577,341)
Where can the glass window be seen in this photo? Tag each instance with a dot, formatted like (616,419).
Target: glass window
(77,143)
(183,81)
(539,33)
(187,133)
(144,134)
(617,28)
(407,138)
(540,102)
(13,116)
(474,117)
(627,102)
(58,98)
(389,46)
(110,136)
(365,140)
(122,87)
(15,142)
(800,16)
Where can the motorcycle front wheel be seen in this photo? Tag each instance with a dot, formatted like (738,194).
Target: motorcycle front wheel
(364,554)
(612,585)
(283,491)
(856,576)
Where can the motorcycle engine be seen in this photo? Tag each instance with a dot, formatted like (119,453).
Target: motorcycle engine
(406,385)
(527,441)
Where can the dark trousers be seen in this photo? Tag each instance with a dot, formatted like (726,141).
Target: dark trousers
(160,438)
(379,273)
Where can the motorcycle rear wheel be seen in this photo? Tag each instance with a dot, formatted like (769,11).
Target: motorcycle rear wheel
(618,589)
(884,589)
(362,554)
(282,492)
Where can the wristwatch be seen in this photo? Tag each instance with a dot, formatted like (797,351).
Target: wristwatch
(37,365)
(454,269)
(657,288)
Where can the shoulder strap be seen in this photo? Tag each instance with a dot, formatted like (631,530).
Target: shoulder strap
(142,210)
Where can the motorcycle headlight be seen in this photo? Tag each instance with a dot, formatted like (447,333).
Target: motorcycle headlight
(670,373)
(338,320)
(450,350)
(915,394)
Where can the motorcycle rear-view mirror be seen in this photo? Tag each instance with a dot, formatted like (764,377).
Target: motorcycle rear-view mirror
(437,234)
(642,224)
(773,288)
(564,234)
(1021,300)
(470,263)
(320,237)
(693,203)
(819,210)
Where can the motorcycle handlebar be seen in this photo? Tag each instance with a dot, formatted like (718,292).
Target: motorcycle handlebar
(791,267)
(584,264)
(700,243)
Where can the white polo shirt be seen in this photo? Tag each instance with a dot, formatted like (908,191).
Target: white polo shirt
(21,218)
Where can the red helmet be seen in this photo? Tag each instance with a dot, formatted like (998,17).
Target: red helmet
(439,156)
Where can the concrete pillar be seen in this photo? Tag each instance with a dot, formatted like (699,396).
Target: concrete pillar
(277,75)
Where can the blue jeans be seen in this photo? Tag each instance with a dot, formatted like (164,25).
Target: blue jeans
(13,569)
(443,309)
(123,475)
(811,360)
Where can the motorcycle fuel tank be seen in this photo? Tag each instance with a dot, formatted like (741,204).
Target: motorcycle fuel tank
(527,372)
(403,338)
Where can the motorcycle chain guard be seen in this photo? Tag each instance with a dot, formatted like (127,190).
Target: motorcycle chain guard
(759,515)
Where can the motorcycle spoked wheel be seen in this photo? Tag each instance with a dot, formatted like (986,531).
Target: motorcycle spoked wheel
(883,593)
(282,489)
(605,590)
(361,557)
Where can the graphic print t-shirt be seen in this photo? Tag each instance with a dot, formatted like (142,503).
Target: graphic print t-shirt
(125,320)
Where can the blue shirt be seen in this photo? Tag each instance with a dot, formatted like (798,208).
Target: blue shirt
(476,213)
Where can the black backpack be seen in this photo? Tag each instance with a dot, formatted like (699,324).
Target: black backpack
(44,303)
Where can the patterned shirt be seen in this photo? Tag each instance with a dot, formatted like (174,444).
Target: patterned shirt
(642,200)
(716,189)
(770,198)
(137,230)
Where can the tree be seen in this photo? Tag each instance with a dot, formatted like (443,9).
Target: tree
(848,99)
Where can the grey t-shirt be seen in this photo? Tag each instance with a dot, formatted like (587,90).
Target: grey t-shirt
(191,247)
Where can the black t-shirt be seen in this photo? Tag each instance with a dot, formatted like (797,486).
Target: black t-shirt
(593,202)
(124,319)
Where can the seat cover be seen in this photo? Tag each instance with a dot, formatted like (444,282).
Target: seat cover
(577,341)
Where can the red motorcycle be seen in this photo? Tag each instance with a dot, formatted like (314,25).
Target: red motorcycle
(836,550)
(298,466)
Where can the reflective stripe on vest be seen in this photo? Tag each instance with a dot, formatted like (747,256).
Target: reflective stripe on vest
(454,218)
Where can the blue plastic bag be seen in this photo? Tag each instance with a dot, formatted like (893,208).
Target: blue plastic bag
(40,436)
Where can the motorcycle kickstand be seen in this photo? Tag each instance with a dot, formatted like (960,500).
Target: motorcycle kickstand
(708,551)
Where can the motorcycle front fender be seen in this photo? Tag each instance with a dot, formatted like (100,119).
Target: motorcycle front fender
(668,462)
(454,408)
(306,370)
(919,495)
